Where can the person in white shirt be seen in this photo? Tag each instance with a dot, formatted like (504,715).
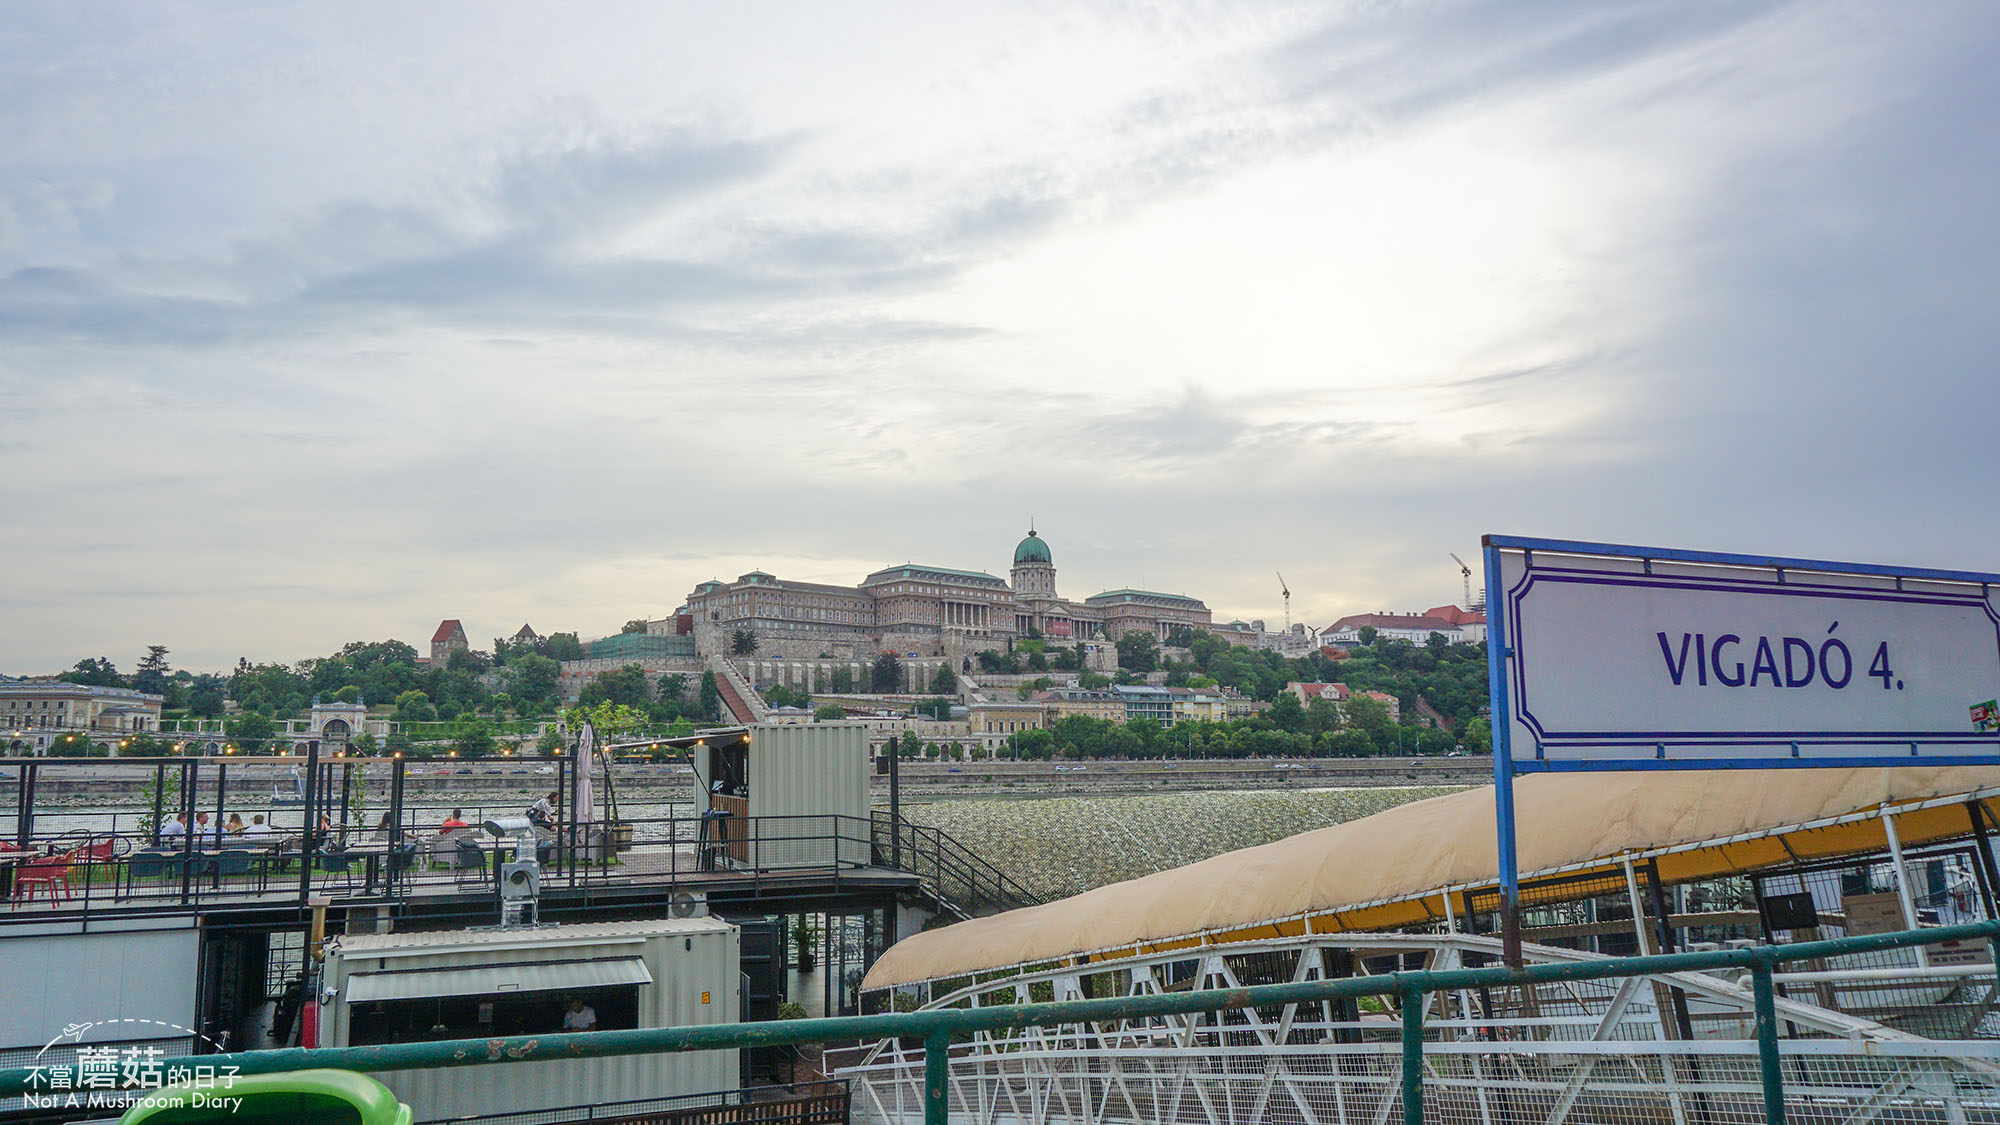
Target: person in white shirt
(258,829)
(173,829)
(580,1017)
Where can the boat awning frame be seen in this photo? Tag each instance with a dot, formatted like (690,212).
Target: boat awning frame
(497,980)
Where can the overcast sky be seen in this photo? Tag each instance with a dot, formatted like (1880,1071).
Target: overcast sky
(324,322)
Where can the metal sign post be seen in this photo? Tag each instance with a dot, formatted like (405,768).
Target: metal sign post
(1608,657)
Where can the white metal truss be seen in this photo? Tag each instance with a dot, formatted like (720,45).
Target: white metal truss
(1562,1053)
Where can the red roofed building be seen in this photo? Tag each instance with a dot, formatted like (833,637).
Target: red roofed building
(450,637)
(1471,623)
(1389,701)
(1309,692)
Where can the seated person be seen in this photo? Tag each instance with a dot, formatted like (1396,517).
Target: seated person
(454,822)
(258,830)
(543,812)
(580,1017)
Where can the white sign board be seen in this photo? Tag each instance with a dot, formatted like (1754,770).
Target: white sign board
(1642,662)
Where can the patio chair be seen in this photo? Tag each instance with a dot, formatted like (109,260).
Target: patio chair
(400,862)
(235,861)
(336,863)
(149,863)
(471,863)
(49,873)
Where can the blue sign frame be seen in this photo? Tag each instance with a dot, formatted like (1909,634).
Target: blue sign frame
(1788,751)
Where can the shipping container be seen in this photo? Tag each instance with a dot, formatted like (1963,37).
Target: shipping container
(472,984)
(796,795)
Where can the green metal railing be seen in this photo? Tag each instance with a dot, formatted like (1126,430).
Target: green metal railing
(936,1027)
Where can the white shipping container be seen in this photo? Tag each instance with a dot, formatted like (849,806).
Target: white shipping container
(657,973)
(807,796)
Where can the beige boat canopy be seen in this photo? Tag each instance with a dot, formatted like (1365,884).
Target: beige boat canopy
(1391,869)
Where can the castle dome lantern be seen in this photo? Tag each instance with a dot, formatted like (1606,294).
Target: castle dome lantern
(1033,549)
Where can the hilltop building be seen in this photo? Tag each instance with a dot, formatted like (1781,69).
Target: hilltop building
(1456,625)
(35,712)
(920,609)
(449,638)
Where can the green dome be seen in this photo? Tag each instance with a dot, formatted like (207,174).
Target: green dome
(1032,549)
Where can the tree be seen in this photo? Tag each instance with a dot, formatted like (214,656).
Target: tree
(674,686)
(1478,737)
(1138,651)
(250,731)
(1287,715)
(829,712)
(414,707)
(1094,681)
(938,708)
(945,682)
(886,676)
(843,680)
(627,686)
(206,696)
(531,681)
(151,676)
(348,694)
(636,625)
(364,744)
(742,642)
(613,721)
(708,701)
(778,695)
(1039,683)
(1366,634)
(468,660)
(476,741)
(1180,636)
(564,646)
(1366,714)
(98,672)
(551,740)
(1037,744)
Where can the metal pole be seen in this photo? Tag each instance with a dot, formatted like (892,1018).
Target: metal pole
(308,832)
(1503,759)
(1982,860)
(190,779)
(1767,1039)
(1413,1054)
(895,804)
(937,1078)
(1902,881)
(25,823)
(395,826)
(159,799)
(1638,908)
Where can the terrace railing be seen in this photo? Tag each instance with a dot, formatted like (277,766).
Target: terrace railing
(1769,1084)
(962,883)
(101,874)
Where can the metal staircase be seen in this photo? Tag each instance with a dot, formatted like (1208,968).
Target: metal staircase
(955,881)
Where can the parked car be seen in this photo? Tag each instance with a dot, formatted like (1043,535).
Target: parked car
(545,769)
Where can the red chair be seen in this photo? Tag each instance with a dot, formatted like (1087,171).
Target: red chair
(50,873)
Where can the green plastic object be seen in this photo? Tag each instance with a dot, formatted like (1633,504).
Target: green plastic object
(298,1097)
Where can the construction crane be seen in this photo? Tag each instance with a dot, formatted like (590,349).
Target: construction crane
(1287,591)
(1466,572)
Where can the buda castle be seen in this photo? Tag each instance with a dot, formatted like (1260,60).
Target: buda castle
(917,609)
